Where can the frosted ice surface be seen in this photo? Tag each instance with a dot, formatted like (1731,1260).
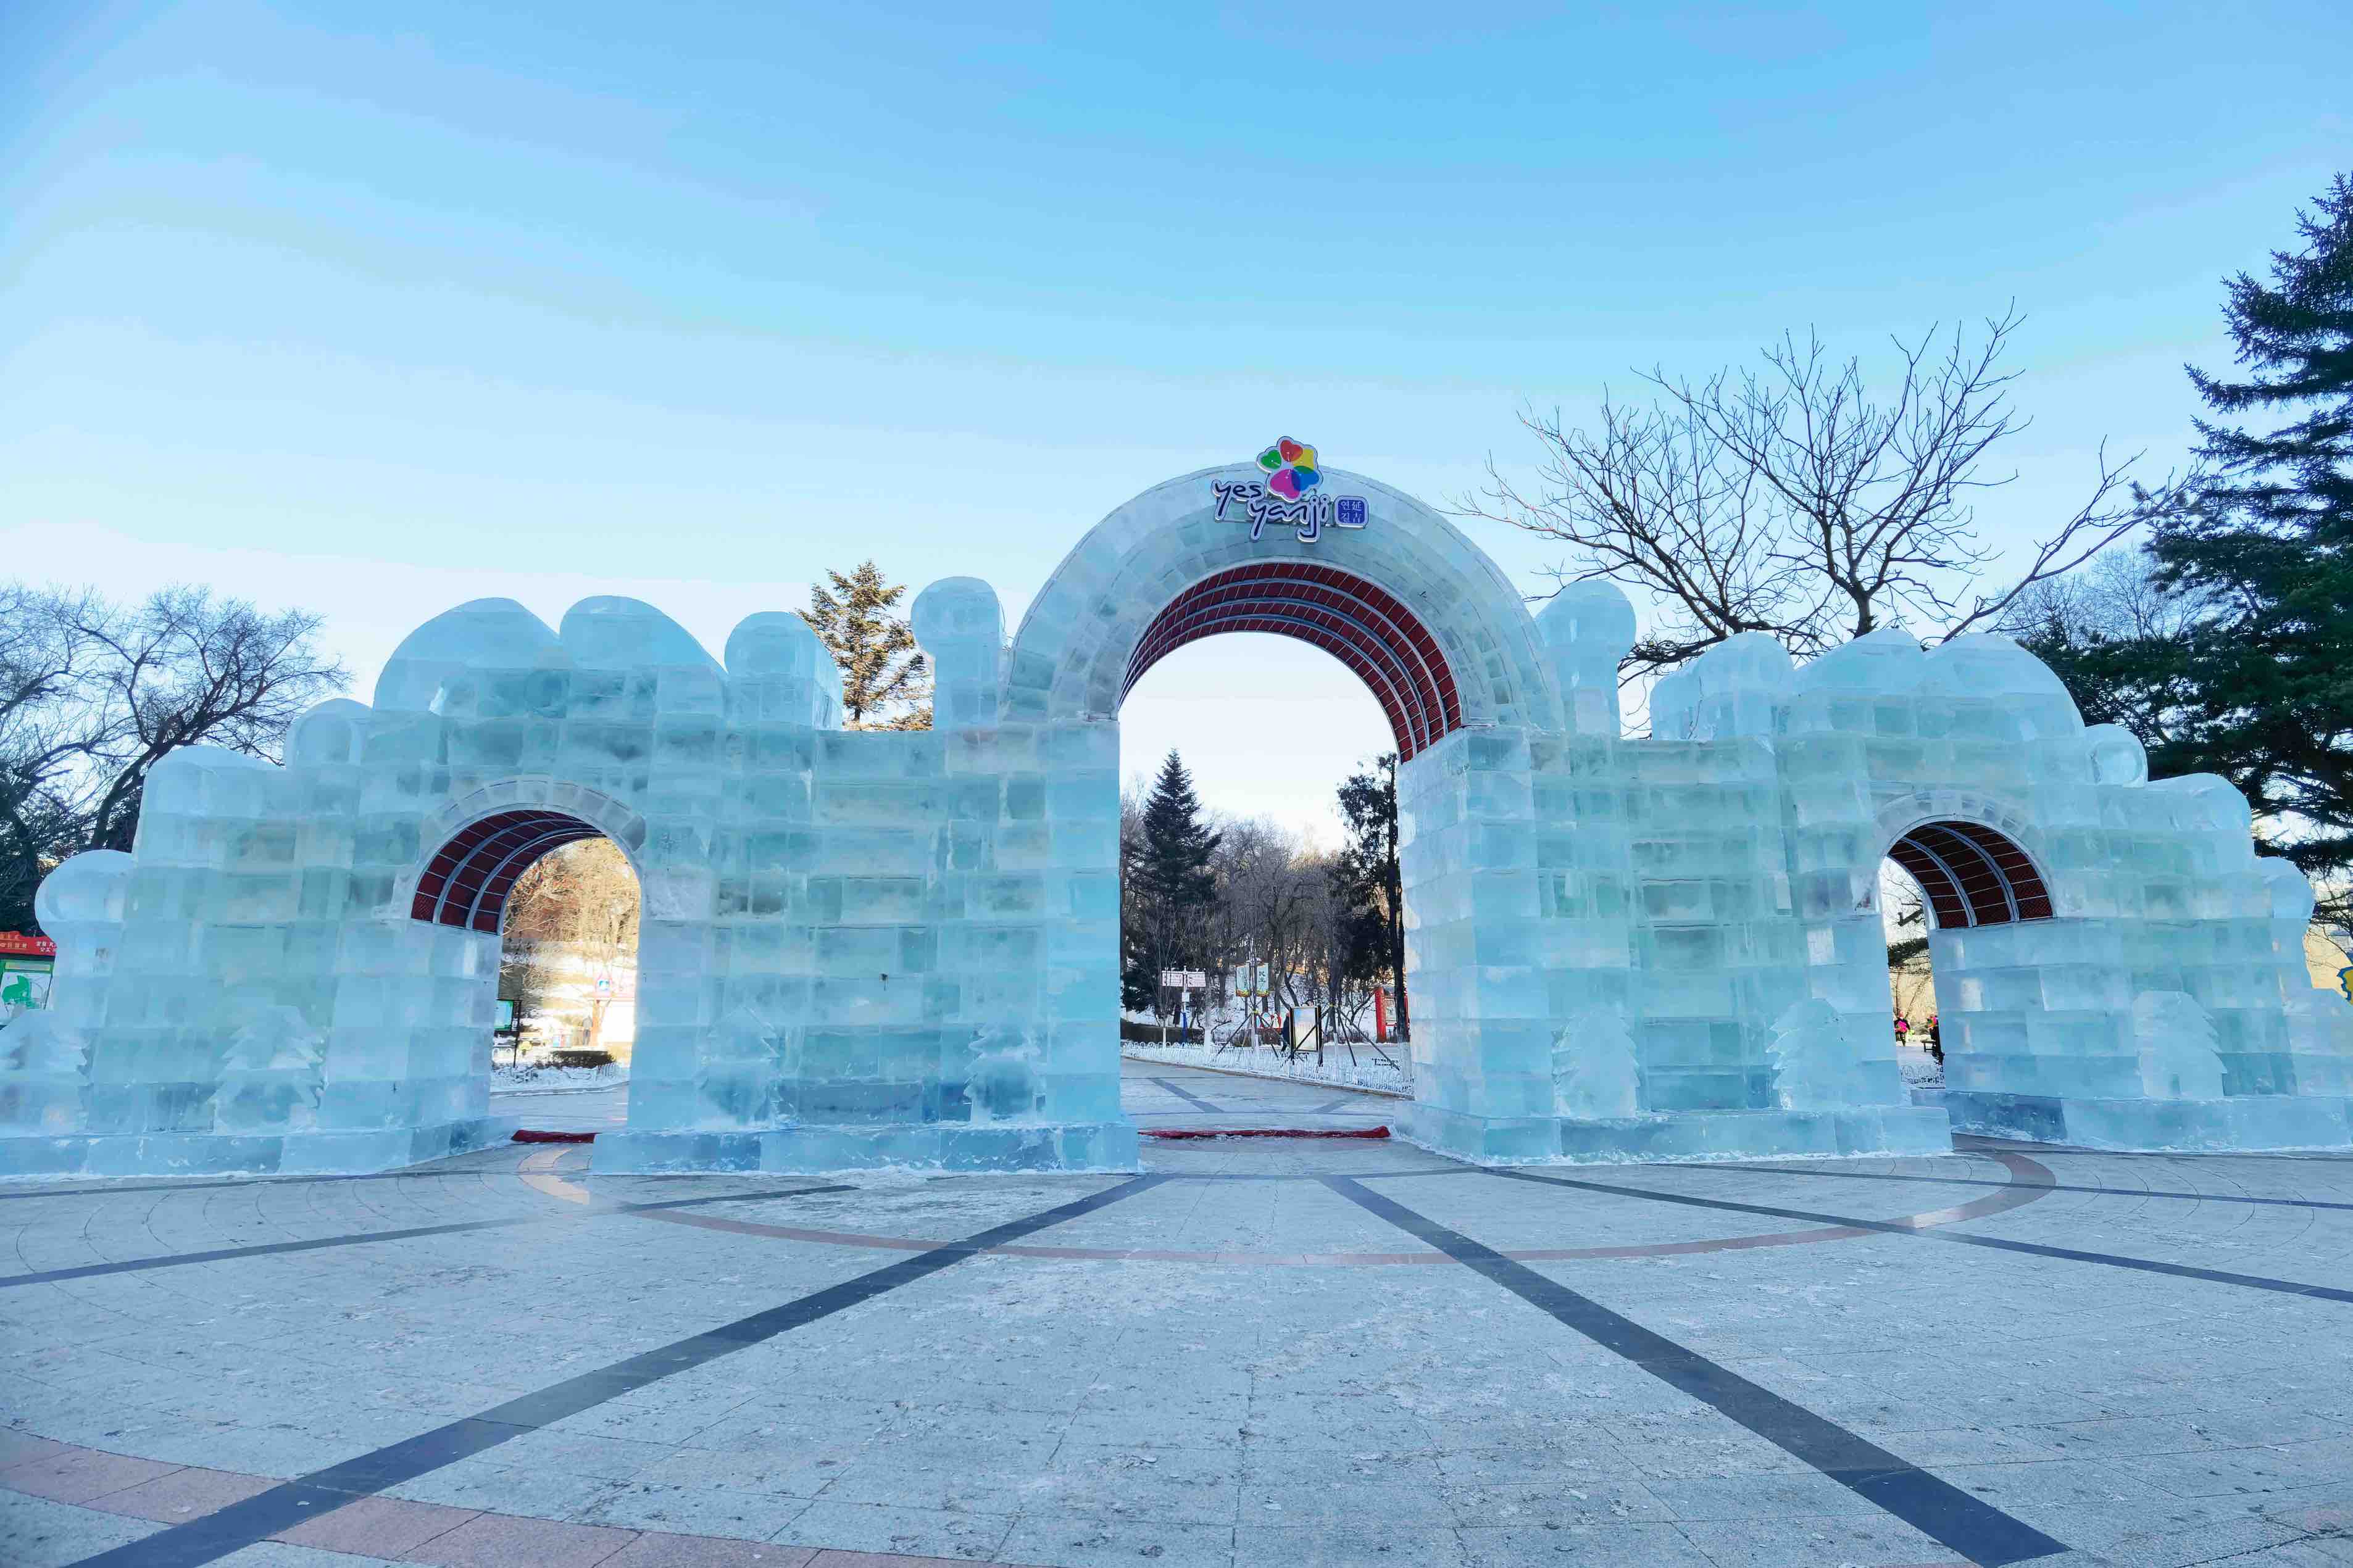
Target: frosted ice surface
(271,1075)
(1002,1085)
(901,948)
(44,1075)
(1594,1074)
(2176,1044)
(1816,1065)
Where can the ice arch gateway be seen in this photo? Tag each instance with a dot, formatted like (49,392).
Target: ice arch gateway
(864,949)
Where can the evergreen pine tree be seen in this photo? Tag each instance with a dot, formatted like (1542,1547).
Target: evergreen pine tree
(1139,981)
(1369,881)
(1174,883)
(885,682)
(2264,675)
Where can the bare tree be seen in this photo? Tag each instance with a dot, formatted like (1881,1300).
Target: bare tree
(93,696)
(1789,500)
(184,669)
(570,924)
(49,683)
(1273,896)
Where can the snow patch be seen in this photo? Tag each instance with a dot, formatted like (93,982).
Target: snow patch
(1366,1072)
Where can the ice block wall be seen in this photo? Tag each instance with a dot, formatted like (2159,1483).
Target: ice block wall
(900,948)
(856,949)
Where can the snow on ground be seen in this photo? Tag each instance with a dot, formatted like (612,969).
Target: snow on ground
(1366,1072)
(1920,1069)
(537,1080)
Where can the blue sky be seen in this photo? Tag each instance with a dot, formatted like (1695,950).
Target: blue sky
(377,309)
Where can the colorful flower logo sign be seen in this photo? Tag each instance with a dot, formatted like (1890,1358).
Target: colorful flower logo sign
(1288,495)
(1290,469)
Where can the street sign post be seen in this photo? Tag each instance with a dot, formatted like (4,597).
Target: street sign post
(1184,982)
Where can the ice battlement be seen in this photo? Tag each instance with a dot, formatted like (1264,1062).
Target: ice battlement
(868,948)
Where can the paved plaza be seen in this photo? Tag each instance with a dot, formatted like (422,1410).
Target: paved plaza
(1263,1350)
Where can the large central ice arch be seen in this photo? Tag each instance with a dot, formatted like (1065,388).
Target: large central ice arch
(1419,611)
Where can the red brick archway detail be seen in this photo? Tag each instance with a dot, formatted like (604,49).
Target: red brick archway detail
(467,884)
(1360,624)
(1972,875)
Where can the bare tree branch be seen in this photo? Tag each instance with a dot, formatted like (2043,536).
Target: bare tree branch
(1785,498)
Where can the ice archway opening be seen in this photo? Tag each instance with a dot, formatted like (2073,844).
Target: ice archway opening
(1436,633)
(468,880)
(1355,621)
(1966,874)
(1971,874)
(562,945)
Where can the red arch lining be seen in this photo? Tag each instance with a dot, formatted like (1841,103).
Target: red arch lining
(467,883)
(1357,623)
(1972,875)
(1400,703)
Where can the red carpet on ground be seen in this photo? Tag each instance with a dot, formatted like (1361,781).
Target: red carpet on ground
(525,1135)
(1266,1131)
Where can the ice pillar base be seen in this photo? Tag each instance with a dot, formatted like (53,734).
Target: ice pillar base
(1108,1146)
(2236,1122)
(310,1153)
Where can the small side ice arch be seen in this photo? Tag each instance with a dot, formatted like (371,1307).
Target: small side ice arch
(485,843)
(1972,875)
(467,881)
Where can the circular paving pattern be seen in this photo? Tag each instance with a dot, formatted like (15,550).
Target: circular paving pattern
(554,1173)
(1260,1351)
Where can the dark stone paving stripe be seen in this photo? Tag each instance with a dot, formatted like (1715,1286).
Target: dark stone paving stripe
(2053,1186)
(361,1237)
(257,1518)
(1187,1096)
(1970,1526)
(1962,1238)
(430,1170)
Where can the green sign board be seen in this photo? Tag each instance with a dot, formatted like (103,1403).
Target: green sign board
(23,982)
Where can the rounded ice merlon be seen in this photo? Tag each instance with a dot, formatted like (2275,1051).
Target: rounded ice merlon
(1987,664)
(1879,663)
(957,609)
(2290,889)
(777,665)
(608,632)
(961,628)
(1593,615)
(777,642)
(85,889)
(332,733)
(2208,803)
(1731,689)
(1586,630)
(483,634)
(613,634)
(80,905)
(2118,755)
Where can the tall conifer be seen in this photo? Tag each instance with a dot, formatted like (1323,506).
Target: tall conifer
(2266,554)
(1175,885)
(886,683)
(1368,877)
